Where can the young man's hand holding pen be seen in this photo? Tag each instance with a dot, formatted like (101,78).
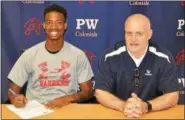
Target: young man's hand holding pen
(18,100)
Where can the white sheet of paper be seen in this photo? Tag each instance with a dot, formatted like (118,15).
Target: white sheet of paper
(32,109)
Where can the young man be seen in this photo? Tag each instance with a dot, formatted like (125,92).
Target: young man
(53,68)
(137,76)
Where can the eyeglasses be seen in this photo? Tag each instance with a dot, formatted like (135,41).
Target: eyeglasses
(136,77)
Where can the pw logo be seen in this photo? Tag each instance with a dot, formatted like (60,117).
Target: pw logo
(181,23)
(32,25)
(89,23)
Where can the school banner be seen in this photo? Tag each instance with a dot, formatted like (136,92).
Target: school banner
(93,26)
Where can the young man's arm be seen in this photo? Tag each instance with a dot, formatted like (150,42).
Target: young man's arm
(15,98)
(85,94)
(18,77)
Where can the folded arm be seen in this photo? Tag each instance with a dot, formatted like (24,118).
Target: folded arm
(134,106)
(165,101)
(109,100)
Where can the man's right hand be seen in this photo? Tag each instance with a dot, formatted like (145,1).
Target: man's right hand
(19,101)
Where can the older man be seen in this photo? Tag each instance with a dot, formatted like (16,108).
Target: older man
(137,76)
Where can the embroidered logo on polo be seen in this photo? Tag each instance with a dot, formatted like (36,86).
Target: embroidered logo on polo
(148,73)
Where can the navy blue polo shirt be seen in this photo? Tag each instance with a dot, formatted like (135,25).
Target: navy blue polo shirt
(157,73)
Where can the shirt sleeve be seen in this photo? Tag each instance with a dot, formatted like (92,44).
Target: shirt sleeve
(20,70)
(168,81)
(84,70)
(104,77)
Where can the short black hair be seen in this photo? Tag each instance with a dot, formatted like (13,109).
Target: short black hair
(56,8)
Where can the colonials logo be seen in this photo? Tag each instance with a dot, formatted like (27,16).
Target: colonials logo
(139,2)
(86,27)
(33,1)
(32,25)
(180,27)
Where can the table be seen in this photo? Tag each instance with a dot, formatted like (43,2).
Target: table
(97,111)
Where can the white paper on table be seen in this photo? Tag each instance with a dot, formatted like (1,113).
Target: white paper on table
(32,109)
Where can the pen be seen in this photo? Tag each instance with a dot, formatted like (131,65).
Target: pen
(13,92)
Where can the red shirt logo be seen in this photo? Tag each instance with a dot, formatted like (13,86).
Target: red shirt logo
(48,77)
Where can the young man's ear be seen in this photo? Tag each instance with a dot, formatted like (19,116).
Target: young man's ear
(65,26)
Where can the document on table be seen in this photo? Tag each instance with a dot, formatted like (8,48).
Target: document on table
(32,109)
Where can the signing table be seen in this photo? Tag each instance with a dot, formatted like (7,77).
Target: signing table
(96,111)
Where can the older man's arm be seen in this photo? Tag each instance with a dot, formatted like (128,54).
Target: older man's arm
(109,100)
(140,107)
(165,101)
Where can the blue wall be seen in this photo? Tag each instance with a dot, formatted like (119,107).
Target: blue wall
(21,29)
